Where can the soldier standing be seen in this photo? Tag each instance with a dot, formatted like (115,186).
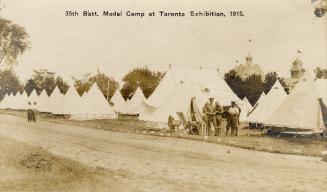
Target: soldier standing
(234,113)
(29,113)
(210,113)
(218,117)
(34,112)
(239,113)
(204,118)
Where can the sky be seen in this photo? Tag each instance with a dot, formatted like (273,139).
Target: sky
(74,46)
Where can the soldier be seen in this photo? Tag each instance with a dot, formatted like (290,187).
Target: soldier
(210,114)
(204,117)
(34,112)
(234,113)
(29,113)
(228,123)
(218,117)
(204,111)
(239,114)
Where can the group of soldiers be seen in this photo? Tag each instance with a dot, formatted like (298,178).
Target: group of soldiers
(213,115)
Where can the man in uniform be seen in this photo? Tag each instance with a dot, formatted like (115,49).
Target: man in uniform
(218,117)
(234,113)
(29,113)
(210,114)
(204,118)
(239,114)
(34,112)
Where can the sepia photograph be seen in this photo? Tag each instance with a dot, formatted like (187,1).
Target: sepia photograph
(167,96)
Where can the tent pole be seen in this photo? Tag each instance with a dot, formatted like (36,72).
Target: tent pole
(108,91)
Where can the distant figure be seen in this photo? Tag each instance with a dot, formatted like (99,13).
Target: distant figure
(34,114)
(234,113)
(218,117)
(29,113)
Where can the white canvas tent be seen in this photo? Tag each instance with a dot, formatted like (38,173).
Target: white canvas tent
(19,101)
(300,110)
(178,101)
(136,101)
(43,101)
(33,97)
(53,101)
(5,103)
(255,106)
(93,105)
(119,102)
(245,109)
(268,104)
(23,101)
(16,100)
(204,81)
(70,104)
(32,100)
(261,98)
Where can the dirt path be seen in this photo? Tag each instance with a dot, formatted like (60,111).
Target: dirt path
(148,163)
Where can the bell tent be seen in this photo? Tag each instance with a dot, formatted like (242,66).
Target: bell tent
(93,105)
(300,110)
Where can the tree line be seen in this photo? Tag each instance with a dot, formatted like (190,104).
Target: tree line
(147,80)
(46,80)
(252,86)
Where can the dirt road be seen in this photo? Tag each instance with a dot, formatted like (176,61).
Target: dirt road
(148,163)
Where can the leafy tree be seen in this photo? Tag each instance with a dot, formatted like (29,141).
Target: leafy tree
(46,80)
(62,85)
(9,83)
(101,79)
(235,82)
(14,41)
(253,87)
(81,85)
(282,81)
(143,77)
(30,86)
(270,80)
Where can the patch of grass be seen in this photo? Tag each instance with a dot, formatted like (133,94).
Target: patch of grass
(38,161)
(35,169)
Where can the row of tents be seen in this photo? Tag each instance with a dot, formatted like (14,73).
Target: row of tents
(301,109)
(172,95)
(91,105)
